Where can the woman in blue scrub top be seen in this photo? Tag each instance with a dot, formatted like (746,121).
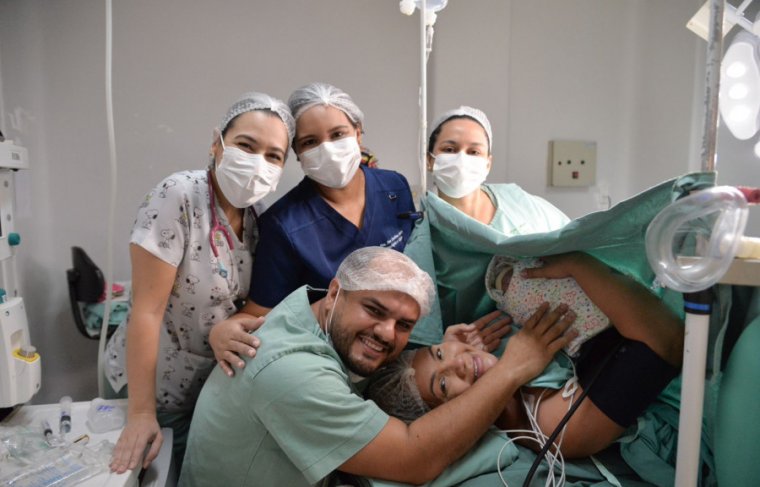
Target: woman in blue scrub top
(338,207)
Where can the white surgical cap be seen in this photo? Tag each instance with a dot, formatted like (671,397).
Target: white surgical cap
(313,94)
(466,111)
(253,100)
(384,269)
(394,389)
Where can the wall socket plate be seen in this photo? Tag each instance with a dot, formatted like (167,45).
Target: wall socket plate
(573,163)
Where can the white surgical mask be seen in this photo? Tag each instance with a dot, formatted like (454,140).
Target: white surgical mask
(458,175)
(332,164)
(245,178)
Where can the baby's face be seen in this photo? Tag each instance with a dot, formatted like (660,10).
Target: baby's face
(446,370)
(506,279)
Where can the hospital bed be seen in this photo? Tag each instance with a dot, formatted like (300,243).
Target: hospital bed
(617,237)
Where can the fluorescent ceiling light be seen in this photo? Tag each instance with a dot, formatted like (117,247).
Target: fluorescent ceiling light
(740,86)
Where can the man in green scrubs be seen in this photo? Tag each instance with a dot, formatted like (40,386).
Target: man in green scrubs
(293,415)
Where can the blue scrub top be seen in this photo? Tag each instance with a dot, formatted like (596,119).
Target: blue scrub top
(303,239)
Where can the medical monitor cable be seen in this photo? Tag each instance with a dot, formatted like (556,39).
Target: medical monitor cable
(112,205)
(531,405)
(529,435)
(568,415)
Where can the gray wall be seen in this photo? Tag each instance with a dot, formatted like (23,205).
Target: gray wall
(625,74)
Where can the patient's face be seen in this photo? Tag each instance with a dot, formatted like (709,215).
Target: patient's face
(505,280)
(370,328)
(446,370)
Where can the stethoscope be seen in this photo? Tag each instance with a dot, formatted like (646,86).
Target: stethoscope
(218,227)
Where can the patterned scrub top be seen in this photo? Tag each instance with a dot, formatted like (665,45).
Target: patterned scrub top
(173,223)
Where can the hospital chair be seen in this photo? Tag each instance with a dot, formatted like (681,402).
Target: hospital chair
(86,285)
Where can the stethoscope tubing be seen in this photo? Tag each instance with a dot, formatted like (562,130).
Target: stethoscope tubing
(215,225)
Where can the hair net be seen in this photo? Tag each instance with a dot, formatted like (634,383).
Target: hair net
(466,111)
(253,100)
(394,389)
(384,269)
(313,94)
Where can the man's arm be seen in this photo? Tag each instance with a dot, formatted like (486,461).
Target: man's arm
(419,452)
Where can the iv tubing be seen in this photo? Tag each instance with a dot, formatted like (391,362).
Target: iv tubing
(112,205)
(423,95)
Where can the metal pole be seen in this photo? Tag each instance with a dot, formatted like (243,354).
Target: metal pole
(712,85)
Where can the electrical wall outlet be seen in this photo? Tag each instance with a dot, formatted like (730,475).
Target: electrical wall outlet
(573,163)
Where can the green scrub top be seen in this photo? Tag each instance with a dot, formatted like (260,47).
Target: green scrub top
(290,417)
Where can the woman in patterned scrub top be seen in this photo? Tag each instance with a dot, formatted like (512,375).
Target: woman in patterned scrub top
(192,250)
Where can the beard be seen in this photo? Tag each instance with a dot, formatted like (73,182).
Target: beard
(342,341)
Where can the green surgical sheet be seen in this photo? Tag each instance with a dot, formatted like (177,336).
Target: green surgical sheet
(616,237)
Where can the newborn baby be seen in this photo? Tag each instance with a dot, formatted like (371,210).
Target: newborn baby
(519,297)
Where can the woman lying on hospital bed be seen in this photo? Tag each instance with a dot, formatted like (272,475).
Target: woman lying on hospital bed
(645,339)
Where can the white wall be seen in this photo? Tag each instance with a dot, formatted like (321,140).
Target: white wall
(618,72)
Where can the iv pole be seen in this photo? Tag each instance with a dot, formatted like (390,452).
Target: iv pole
(427,19)
(423,95)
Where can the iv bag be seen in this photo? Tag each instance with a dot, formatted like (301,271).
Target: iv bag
(707,226)
(408,6)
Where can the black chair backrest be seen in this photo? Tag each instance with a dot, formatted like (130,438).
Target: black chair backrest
(86,285)
(89,282)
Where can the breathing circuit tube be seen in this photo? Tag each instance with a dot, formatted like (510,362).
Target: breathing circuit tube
(717,218)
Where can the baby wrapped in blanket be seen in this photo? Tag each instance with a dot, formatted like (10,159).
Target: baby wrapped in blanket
(519,297)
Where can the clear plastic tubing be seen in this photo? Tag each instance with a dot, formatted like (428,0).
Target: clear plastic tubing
(715,253)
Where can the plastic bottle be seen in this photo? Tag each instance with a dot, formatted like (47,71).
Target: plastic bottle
(102,417)
(65,424)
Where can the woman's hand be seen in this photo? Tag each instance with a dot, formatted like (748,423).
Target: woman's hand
(231,339)
(531,349)
(141,429)
(479,333)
